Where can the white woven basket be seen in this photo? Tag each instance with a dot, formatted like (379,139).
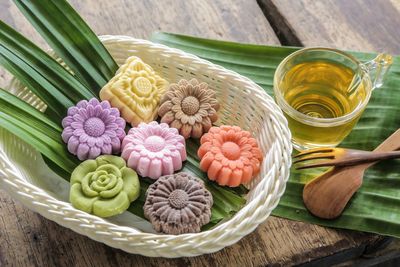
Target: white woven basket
(26,178)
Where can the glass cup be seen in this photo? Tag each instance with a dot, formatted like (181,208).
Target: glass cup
(323,92)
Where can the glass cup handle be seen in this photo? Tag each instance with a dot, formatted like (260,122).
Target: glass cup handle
(378,68)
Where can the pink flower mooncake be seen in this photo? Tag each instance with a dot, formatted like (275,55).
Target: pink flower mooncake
(154,150)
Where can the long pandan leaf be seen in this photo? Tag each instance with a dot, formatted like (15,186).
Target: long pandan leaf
(36,129)
(375,207)
(57,103)
(72,39)
(47,66)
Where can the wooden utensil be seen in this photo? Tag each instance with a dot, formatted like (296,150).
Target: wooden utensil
(327,195)
(323,157)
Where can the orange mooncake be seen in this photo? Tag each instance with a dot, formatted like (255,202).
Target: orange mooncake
(229,155)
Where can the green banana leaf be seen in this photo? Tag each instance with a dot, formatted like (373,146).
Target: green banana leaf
(376,206)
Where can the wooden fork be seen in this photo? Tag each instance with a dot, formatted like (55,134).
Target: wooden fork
(340,157)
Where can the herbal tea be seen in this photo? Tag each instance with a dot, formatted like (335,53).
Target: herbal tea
(319,89)
(323,91)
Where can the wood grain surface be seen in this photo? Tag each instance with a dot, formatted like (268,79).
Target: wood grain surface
(27,239)
(361,25)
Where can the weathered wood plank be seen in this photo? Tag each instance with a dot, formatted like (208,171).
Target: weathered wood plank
(361,25)
(29,239)
(237,20)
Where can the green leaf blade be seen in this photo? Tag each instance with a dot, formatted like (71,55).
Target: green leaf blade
(43,63)
(36,129)
(57,103)
(71,39)
(110,67)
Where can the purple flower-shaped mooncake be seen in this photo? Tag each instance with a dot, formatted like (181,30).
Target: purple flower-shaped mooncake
(153,149)
(93,128)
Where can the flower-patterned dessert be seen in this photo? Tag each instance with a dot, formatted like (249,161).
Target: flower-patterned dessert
(154,149)
(229,155)
(135,90)
(189,106)
(178,204)
(104,186)
(92,128)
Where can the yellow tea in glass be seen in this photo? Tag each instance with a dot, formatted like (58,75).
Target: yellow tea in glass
(323,92)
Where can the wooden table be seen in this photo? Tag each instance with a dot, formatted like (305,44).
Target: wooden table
(27,239)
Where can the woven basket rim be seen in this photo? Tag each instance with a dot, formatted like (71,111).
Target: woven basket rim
(18,185)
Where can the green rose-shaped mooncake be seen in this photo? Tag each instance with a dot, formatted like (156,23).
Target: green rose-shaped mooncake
(104,186)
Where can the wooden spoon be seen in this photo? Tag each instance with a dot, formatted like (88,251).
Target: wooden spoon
(327,195)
